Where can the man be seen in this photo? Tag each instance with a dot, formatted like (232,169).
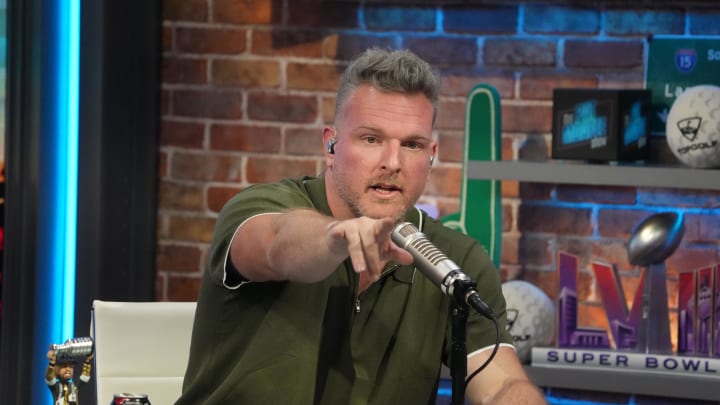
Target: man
(59,378)
(306,299)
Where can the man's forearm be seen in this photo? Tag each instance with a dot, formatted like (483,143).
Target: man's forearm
(301,249)
(305,246)
(518,392)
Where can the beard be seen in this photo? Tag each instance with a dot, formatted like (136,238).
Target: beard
(360,203)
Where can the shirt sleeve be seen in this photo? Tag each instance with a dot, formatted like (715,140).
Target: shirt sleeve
(481,332)
(256,200)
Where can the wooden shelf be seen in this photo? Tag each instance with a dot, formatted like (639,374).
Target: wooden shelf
(595,174)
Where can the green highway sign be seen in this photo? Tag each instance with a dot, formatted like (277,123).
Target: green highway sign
(674,64)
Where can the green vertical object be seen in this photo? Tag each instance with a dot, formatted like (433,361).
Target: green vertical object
(480,214)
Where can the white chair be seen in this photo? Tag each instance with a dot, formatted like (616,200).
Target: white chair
(141,347)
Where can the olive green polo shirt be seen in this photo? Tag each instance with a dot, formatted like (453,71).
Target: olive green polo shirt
(319,343)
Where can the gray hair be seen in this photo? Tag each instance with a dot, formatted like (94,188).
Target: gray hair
(394,71)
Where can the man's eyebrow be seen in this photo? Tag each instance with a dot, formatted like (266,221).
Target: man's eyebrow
(379,131)
(417,137)
(369,128)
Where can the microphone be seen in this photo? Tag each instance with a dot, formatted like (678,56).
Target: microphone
(436,266)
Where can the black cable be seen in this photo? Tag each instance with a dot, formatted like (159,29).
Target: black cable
(492,355)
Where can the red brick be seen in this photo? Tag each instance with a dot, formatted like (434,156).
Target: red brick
(162,227)
(527,118)
(286,42)
(596,194)
(603,54)
(182,134)
(327,109)
(510,189)
(702,228)
(313,76)
(623,22)
(619,223)
(519,52)
(444,51)
(165,97)
(451,115)
(208,103)
(506,151)
(168,35)
(179,196)
(509,272)
(246,73)
(460,84)
(622,80)
(334,14)
(247,11)
(691,258)
(550,219)
(344,46)
(184,70)
(304,141)
(191,229)
(535,251)
(507,217)
(610,251)
(218,196)
(183,288)
(544,280)
(509,253)
(211,40)
(489,20)
(282,108)
(205,167)
(577,246)
(679,198)
(179,258)
(263,170)
(162,164)
(245,138)
(448,206)
(536,191)
(185,10)
(444,181)
(450,146)
(540,87)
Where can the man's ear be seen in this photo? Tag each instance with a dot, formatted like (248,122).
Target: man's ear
(329,139)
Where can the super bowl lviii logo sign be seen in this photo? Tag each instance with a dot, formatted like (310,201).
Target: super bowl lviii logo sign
(624,324)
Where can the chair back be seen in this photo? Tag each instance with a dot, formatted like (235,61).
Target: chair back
(141,348)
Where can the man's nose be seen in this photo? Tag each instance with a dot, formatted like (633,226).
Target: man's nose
(392,159)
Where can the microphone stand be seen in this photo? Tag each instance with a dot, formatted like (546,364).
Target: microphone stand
(458,356)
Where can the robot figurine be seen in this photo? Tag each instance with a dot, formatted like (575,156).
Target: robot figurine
(61,368)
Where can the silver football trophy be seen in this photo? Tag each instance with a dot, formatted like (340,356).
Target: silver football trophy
(653,240)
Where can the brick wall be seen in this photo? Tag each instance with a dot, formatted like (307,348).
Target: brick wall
(248,84)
